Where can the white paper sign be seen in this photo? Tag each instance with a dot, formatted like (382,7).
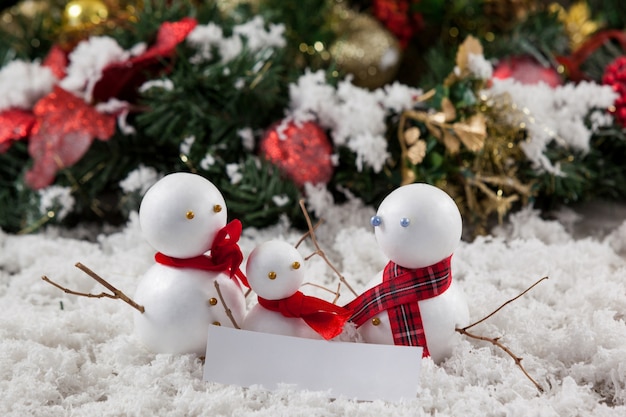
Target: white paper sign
(355,370)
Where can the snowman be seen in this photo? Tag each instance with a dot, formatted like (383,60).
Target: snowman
(183,216)
(275,273)
(413,300)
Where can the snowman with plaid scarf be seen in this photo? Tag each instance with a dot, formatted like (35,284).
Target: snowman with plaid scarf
(413,301)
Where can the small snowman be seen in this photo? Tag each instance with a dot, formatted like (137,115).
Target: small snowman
(183,216)
(275,273)
(413,300)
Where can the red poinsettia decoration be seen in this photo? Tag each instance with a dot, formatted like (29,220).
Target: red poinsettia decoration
(64,131)
(121,79)
(15,124)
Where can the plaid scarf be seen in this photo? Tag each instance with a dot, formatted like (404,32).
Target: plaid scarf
(225,256)
(399,294)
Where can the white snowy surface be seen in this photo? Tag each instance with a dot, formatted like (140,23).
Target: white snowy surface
(62,355)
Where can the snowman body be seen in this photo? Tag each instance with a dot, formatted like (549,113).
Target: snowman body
(260,319)
(418,226)
(181,327)
(180,217)
(440,316)
(275,272)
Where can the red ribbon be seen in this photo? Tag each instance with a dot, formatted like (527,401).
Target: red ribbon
(572,63)
(325,318)
(225,254)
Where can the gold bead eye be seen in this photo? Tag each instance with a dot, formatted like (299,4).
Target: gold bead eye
(271,275)
(190,215)
(295,265)
(217,208)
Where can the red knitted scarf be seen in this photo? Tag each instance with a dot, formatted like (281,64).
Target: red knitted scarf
(399,294)
(325,318)
(225,254)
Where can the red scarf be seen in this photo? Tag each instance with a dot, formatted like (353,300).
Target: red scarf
(325,318)
(399,294)
(225,255)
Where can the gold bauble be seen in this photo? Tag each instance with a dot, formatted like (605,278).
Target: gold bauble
(365,49)
(84,14)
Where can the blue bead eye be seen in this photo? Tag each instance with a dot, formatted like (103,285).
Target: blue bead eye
(405,222)
(376,221)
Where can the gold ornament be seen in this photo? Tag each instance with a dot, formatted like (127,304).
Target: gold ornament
(213,301)
(489,132)
(84,18)
(577,22)
(364,48)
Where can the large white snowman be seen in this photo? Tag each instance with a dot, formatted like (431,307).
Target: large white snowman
(275,272)
(183,216)
(414,301)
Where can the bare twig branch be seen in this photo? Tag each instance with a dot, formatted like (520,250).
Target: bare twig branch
(308,233)
(496,340)
(319,251)
(505,304)
(336,293)
(229,313)
(117,294)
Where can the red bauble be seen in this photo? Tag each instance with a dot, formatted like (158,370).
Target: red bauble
(301,151)
(615,76)
(526,70)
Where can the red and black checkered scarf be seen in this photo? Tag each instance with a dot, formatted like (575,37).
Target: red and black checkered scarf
(399,294)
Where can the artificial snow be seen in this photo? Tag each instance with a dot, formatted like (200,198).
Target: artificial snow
(66,355)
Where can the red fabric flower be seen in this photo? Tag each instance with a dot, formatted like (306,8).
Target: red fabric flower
(15,124)
(56,60)
(121,79)
(64,131)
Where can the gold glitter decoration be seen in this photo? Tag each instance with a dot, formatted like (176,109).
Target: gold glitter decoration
(375,321)
(217,208)
(190,215)
(295,265)
(364,48)
(488,133)
(577,22)
(271,275)
(213,301)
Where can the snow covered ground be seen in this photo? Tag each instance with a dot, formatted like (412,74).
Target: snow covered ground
(66,355)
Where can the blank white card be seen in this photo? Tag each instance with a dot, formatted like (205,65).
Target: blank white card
(355,370)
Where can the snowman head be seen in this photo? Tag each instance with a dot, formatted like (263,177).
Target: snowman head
(417,225)
(181,214)
(275,270)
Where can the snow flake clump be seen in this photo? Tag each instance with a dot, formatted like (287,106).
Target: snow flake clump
(355,117)
(139,180)
(57,199)
(479,67)
(210,37)
(554,114)
(87,61)
(22,84)
(234,173)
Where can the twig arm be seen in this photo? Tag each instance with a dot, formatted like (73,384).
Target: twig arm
(229,313)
